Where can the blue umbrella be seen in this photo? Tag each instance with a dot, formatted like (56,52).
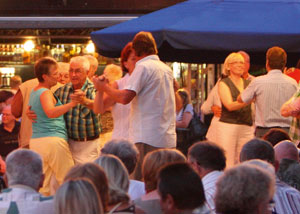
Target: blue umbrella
(207,30)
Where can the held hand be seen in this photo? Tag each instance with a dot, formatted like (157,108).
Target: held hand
(100,82)
(31,115)
(217,111)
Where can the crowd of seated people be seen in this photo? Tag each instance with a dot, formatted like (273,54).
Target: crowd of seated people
(61,168)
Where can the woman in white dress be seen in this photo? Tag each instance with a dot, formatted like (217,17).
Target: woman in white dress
(120,112)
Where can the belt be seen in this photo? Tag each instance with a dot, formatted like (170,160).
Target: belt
(273,127)
(84,139)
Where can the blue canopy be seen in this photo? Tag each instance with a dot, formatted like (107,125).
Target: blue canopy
(207,30)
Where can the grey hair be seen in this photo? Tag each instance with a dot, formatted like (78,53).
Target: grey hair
(113,72)
(263,164)
(77,196)
(24,167)
(243,188)
(83,61)
(118,179)
(63,67)
(123,149)
(93,61)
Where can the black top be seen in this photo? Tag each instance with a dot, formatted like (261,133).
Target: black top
(9,140)
(242,116)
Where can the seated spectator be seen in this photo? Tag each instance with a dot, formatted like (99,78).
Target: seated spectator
(151,164)
(9,131)
(275,135)
(208,159)
(78,196)
(128,154)
(245,189)
(180,189)
(24,176)
(96,175)
(286,198)
(118,183)
(286,155)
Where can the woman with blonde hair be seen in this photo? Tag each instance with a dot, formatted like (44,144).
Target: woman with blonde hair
(96,175)
(78,196)
(118,183)
(235,126)
(152,163)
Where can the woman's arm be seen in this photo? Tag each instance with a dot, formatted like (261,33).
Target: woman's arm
(48,103)
(103,101)
(186,119)
(226,98)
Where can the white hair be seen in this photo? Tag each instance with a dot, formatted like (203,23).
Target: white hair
(93,61)
(113,72)
(25,167)
(63,67)
(83,61)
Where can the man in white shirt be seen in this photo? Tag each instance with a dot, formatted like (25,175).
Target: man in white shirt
(209,160)
(270,92)
(24,176)
(150,91)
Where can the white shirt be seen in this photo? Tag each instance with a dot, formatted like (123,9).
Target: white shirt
(120,114)
(152,116)
(209,184)
(270,91)
(136,189)
(25,200)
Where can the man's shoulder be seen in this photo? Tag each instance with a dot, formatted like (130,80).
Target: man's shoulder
(285,189)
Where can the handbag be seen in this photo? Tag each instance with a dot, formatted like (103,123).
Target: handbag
(197,129)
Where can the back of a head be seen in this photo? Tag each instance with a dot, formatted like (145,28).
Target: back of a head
(286,149)
(77,196)
(242,189)
(5,95)
(96,175)
(275,135)
(276,58)
(258,149)
(123,149)
(144,44)
(113,72)
(117,175)
(93,62)
(156,159)
(24,167)
(184,185)
(262,164)
(208,155)
(15,81)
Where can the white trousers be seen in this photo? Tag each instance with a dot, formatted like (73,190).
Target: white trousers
(232,137)
(84,151)
(57,160)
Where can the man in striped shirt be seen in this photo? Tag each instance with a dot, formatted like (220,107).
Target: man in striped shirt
(209,160)
(24,175)
(286,198)
(270,92)
(81,122)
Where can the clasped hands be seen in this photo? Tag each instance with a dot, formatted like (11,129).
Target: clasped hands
(100,82)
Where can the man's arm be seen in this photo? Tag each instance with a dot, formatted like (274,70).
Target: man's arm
(120,96)
(17,104)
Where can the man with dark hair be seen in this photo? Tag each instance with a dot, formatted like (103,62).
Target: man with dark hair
(276,135)
(258,149)
(178,196)
(150,88)
(208,159)
(270,91)
(128,154)
(287,199)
